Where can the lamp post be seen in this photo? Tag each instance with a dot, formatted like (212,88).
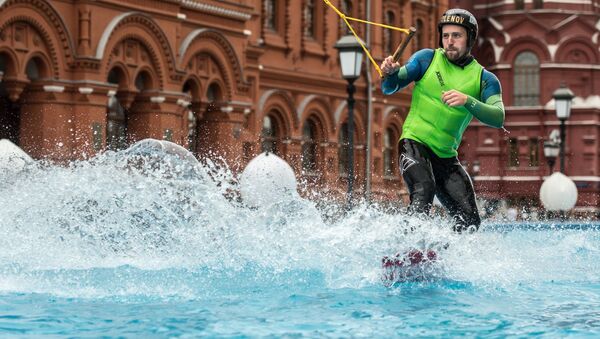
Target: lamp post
(351,57)
(562,100)
(551,150)
(559,192)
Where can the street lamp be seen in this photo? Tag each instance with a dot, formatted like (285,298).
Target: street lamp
(562,101)
(351,56)
(551,150)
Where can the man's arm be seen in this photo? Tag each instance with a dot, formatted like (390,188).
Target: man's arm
(490,110)
(412,71)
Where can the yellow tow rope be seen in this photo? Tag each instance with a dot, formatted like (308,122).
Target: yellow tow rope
(346,18)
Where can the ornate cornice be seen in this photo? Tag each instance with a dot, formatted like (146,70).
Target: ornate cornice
(216,10)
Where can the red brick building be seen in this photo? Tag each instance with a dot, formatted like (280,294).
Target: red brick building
(233,78)
(534,47)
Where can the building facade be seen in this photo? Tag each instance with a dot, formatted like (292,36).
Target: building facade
(226,79)
(233,79)
(534,47)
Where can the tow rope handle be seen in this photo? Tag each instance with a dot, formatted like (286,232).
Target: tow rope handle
(403,44)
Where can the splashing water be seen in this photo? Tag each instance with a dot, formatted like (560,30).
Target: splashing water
(143,225)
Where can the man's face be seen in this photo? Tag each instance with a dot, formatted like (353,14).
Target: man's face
(454,41)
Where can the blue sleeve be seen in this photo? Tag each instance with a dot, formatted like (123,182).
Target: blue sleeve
(490,85)
(413,70)
(489,108)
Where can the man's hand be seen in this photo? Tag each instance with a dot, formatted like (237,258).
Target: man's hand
(388,66)
(454,98)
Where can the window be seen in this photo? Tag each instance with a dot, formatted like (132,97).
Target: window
(116,116)
(269,136)
(388,41)
(513,152)
(116,125)
(344,147)
(33,69)
(309,147)
(271,14)
(419,37)
(519,4)
(192,131)
(309,16)
(2,64)
(213,93)
(526,80)
(143,81)
(213,96)
(534,157)
(538,4)
(389,152)
(346,8)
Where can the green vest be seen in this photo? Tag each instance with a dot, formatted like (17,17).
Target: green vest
(430,121)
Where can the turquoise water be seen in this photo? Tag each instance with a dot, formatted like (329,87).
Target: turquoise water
(118,247)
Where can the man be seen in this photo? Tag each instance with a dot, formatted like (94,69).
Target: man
(450,89)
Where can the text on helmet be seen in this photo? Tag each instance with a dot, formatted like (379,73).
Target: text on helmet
(453,19)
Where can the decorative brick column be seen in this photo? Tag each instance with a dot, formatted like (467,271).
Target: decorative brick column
(89,120)
(46,129)
(153,115)
(219,133)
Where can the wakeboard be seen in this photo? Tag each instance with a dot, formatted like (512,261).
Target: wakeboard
(412,265)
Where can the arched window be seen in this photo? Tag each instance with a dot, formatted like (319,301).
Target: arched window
(213,96)
(269,135)
(2,65)
(143,81)
(344,146)
(309,16)
(32,70)
(389,152)
(213,93)
(115,76)
(309,147)
(526,89)
(9,110)
(388,41)
(36,69)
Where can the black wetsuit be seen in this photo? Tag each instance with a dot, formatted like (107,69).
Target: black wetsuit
(433,130)
(426,175)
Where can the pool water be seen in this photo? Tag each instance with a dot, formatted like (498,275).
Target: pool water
(104,248)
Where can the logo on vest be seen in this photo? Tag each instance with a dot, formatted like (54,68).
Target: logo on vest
(440,79)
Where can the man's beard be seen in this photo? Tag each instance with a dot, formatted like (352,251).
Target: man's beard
(461,60)
(454,54)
